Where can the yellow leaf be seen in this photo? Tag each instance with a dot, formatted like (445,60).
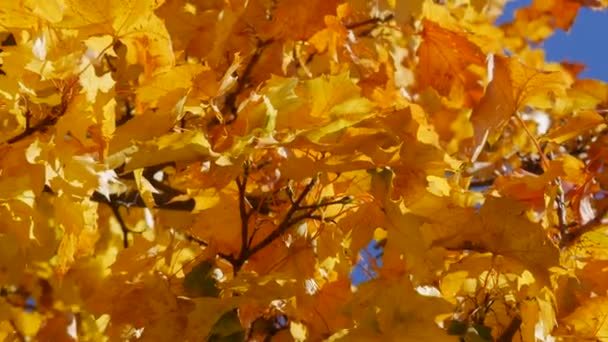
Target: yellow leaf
(150,124)
(576,125)
(507,231)
(146,189)
(512,85)
(589,321)
(91,83)
(187,146)
(27,323)
(179,77)
(298,331)
(394,310)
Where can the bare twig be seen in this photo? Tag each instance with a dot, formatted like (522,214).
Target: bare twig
(134,199)
(29,130)
(287,221)
(191,238)
(230,104)
(479,183)
(50,120)
(560,201)
(342,200)
(198,241)
(242,186)
(574,233)
(543,157)
(371,21)
(508,334)
(123,225)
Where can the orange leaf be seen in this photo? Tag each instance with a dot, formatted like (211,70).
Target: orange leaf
(445,59)
(512,86)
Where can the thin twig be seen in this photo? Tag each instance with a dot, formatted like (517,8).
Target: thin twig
(198,241)
(242,186)
(134,199)
(123,225)
(20,336)
(543,157)
(230,104)
(560,197)
(29,130)
(574,233)
(479,183)
(286,223)
(371,21)
(50,120)
(560,201)
(342,200)
(191,238)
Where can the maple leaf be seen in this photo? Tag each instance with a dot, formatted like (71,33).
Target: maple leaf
(219,170)
(512,85)
(446,59)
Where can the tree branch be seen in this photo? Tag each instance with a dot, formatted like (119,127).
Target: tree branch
(50,120)
(573,234)
(133,199)
(560,202)
(123,225)
(508,334)
(191,238)
(343,200)
(287,222)
(242,186)
(230,104)
(29,130)
(371,21)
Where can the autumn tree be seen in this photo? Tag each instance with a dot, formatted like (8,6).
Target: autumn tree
(188,170)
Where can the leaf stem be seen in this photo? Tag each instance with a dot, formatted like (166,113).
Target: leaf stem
(543,157)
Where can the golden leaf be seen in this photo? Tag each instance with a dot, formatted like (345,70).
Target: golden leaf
(512,85)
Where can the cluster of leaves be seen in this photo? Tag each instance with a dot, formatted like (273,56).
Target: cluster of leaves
(211,170)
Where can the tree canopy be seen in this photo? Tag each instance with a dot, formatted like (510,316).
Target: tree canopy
(187,170)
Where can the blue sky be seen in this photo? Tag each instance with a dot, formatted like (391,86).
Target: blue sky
(587,41)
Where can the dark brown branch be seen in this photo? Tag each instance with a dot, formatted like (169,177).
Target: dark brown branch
(371,21)
(56,112)
(255,230)
(191,238)
(287,222)
(343,200)
(163,200)
(123,225)
(128,112)
(133,199)
(560,202)
(242,186)
(29,130)
(477,183)
(148,173)
(20,336)
(230,105)
(508,334)
(573,234)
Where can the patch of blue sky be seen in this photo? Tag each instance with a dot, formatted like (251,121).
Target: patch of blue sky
(370,257)
(586,42)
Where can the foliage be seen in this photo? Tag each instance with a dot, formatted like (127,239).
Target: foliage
(215,170)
